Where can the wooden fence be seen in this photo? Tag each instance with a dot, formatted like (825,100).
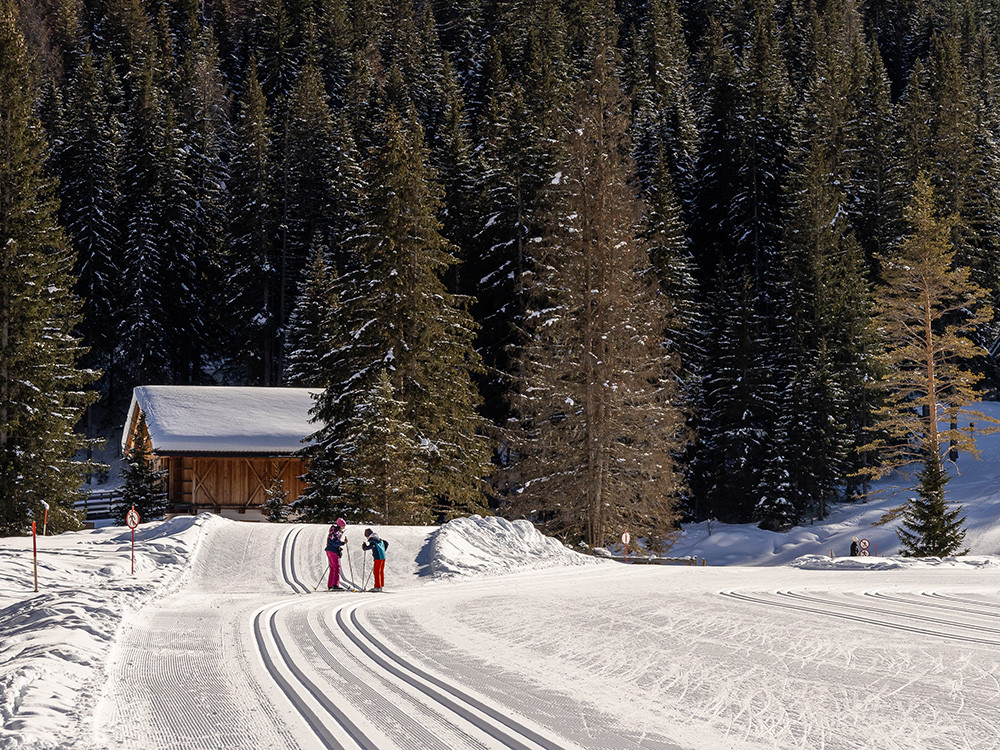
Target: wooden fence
(96,505)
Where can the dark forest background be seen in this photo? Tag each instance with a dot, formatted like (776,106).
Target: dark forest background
(231,177)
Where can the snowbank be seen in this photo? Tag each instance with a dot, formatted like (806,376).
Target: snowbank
(820,562)
(493,546)
(974,484)
(55,642)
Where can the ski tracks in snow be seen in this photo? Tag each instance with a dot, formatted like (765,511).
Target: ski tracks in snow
(923,614)
(354,691)
(248,656)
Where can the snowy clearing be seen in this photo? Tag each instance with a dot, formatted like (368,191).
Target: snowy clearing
(491,636)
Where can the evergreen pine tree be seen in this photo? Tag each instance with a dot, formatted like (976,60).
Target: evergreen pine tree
(930,528)
(251,258)
(310,336)
(143,337)
(742,171)
(42,392)
(89,159)
(398,316)
(927,309)
(144,487)
(276,509)
(665,130)
(320,183)
(824,402)
(384,478)
(597,417)
(206,137)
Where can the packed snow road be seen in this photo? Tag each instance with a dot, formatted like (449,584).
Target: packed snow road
(247,654)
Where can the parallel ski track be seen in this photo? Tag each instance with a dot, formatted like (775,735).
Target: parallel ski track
(304,694)
(288,571)
(962,600)
(928,600)
(832,610)
(496,724)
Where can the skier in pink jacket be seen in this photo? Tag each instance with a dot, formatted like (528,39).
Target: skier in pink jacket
(334,547)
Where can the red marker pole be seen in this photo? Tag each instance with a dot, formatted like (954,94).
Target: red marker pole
(34,551)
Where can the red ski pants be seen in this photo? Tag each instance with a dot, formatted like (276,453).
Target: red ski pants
(379,571)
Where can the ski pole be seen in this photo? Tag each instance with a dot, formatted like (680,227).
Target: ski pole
(350,562)
(321,577)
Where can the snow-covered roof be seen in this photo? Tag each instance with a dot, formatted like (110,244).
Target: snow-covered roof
(222,419)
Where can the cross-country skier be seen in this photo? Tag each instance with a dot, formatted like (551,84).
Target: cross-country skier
(378,547)
(334,547)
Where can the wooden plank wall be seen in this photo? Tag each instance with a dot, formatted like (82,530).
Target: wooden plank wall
(230,482)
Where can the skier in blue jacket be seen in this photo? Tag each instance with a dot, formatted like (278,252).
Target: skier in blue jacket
(378,547)
(334,547)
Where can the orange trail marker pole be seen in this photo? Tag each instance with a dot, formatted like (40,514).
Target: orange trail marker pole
(34,551)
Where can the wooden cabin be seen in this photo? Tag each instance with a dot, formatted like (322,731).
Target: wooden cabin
(221,446)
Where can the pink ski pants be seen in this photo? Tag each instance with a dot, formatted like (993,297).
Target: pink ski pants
(334,579)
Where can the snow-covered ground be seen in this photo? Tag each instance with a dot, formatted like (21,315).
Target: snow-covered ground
(492,635)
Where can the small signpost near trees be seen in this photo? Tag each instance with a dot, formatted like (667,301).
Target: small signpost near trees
(132,519)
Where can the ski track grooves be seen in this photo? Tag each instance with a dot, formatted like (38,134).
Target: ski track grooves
(435,688)
(316,708)
(928,601)
(294,695)
(831,612)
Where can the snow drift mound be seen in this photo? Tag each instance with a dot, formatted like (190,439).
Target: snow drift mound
(54,643)
(822,562)
(492,545)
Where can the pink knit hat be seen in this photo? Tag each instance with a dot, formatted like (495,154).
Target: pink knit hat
(341,522)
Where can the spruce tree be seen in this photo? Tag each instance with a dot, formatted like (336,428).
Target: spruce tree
(823,407)
(203,118)
(320,184)
(250,257)
(597,417)
(930,528)
(310,334)
(143,341)
(384,479)
(42,392)
(144,487)
(665,129)
(398,316)
(90,163)
(742,171)
(276,508)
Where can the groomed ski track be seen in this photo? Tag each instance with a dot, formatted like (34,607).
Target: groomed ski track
(246,654)
(320,675)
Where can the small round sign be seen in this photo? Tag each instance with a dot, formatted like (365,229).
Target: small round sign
(625,538)
(864,544)
(132,518)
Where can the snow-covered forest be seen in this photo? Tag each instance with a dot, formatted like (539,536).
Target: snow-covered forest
(595,264)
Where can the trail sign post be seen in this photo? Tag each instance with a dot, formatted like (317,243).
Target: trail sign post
(132,519)
(625,541)
(863,547)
